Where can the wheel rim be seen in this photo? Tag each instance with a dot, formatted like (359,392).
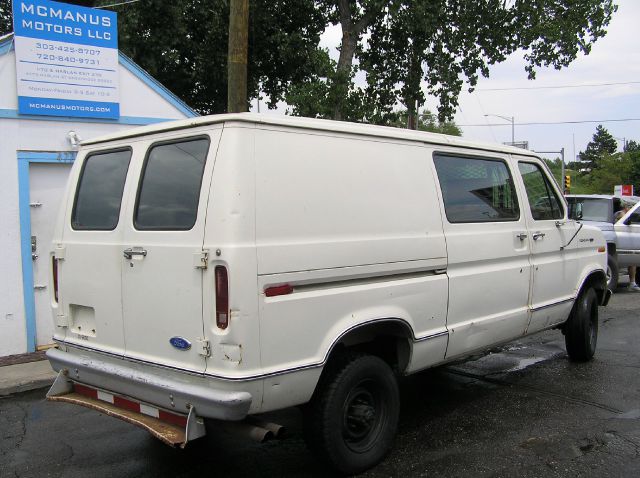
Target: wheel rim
(609,275)
(364,414)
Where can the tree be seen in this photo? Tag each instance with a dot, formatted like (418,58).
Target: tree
(449,41)
(601,146)
(6,22)
(426,121)
(440,43)
(191,56)
(631,146)
(614,169)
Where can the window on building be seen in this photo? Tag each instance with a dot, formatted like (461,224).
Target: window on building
(170,185)
(543,201)
(476,189)
(99,194)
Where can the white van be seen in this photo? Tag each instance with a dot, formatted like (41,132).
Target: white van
(211,269)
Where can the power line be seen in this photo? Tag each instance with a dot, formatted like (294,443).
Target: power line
(539,123)
(117,4)
(588,85)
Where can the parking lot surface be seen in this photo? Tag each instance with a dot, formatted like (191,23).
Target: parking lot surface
(521,410)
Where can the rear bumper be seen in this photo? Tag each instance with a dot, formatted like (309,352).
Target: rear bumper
(154,386)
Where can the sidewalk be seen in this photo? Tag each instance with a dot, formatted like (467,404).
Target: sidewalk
(20,373)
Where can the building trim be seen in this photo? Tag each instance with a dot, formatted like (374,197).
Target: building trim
(25,158)
(155,85)
(128,120)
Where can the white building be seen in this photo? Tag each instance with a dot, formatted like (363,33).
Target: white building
(36,153)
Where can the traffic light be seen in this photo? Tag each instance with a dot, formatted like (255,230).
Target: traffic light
(567,183)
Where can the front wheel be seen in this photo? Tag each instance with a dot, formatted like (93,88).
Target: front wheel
(581,329)
(352,419)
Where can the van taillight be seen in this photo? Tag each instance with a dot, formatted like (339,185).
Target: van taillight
(222,297)
(54,268)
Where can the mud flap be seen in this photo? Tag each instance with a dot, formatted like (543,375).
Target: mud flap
(173,435)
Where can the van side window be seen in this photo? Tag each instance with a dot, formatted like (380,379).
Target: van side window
(476,190)
(543,201)
(99,194)
(170,185)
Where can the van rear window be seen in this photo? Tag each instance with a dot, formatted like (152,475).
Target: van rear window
(476,190)
(170,185)
(99,194)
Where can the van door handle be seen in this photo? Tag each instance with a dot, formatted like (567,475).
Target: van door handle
(129,253)
(538,235)
(522,236)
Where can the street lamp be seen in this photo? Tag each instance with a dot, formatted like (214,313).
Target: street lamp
(513,125)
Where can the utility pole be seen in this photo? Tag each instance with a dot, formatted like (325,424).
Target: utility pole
(237,56)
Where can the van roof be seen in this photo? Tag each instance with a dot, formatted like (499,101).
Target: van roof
(311,124)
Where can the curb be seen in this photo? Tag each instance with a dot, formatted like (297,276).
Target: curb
(26,387)
(23,377)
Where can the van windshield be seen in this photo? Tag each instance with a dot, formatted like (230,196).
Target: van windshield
(587,209)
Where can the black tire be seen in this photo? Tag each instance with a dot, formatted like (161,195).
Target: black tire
(352,418)
(612,272)
(581,329)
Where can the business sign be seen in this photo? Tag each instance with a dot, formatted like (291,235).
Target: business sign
(623,190)
(66,59)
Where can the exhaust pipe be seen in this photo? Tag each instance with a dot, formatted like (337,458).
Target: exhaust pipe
(246,430)
(277,430)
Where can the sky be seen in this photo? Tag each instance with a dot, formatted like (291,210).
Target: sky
(613,59)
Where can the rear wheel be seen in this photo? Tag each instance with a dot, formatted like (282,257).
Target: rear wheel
(581,329)
(612,272)
(352,419)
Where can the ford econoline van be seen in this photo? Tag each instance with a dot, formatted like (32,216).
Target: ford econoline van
(207,270)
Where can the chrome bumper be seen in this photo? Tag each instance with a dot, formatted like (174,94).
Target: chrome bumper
(153,386)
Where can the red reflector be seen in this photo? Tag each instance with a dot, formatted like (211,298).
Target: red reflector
(278,290)
(54,267)
(171,418)
(86,391)
(222,297)
(126,404)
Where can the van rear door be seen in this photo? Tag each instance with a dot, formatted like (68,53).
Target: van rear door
(162,253)
(89,259)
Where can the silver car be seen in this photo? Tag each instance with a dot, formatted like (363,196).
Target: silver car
(622,236)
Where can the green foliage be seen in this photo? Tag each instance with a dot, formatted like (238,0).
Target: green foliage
(6,22)
(412,48)
(444,42)
(183,44)
(601,146)
(612,169)
(609,168)
(427,121)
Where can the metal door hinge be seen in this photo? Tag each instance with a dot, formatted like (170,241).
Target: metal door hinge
(204,348)
(200,259)
(59,252)
(62,320)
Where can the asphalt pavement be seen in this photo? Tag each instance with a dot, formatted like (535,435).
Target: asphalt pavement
(521,410)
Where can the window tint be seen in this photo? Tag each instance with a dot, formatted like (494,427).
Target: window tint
(99,192)
(170,185)
(543,201)
(476,190)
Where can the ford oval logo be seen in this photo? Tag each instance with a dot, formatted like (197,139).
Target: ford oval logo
(180,343)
